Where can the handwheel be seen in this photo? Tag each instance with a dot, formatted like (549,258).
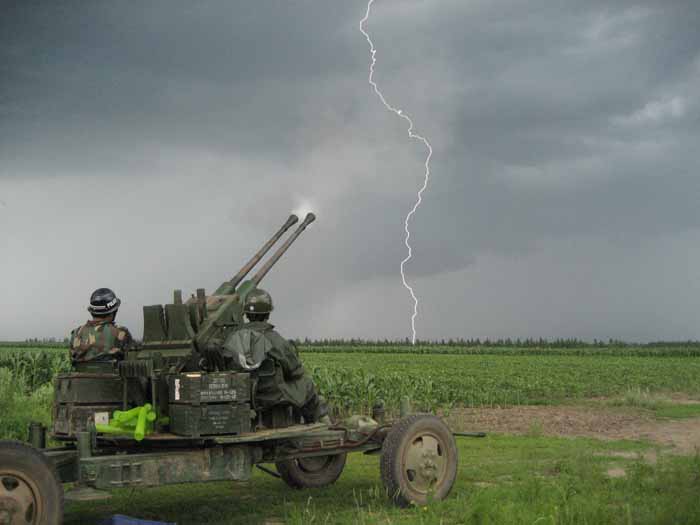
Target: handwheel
(312,472)
(30,493)
(419,460)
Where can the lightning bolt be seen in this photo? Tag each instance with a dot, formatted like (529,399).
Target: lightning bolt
(412,135)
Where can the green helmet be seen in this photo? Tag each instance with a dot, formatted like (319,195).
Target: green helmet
(258,301)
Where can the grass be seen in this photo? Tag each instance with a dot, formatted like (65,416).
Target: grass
(501,480)
(672,411)
(660,405)
(18,406)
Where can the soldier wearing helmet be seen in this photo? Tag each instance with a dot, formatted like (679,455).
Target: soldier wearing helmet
(281,379)
(100,339)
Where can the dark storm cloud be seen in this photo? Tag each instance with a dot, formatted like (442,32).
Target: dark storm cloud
(565,138)
(86,75)
(543,132)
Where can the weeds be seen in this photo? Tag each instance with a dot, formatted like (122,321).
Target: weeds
(18,408)
(660,404)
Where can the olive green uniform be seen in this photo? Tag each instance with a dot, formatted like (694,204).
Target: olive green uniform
(99,340)
(274,362)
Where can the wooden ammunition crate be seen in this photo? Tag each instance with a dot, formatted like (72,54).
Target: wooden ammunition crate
(199,387)
(210,420)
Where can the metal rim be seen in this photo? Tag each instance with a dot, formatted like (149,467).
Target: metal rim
(314,464)
(424,464)
(19,501)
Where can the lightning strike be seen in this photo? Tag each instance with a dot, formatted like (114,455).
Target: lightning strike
(412,135)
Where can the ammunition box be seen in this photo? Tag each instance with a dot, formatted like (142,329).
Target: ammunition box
(198,388)
(87,389)
(81,398)
(210,420)
(69,419)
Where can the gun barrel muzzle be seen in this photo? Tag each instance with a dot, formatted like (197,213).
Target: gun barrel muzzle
(310,217)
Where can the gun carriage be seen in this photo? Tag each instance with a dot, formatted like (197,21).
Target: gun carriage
(189,420)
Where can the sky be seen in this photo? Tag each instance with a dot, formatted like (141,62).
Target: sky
(148,146)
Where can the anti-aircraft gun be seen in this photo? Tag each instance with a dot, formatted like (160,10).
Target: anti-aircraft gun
(164,416)
(185,338)
(181,334)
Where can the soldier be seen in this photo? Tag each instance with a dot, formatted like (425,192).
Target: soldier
(258,348)
(100,339)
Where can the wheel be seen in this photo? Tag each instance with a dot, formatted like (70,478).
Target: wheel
(313,472)
(30,492)
(419,460)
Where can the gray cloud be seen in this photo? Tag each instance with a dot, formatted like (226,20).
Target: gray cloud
(153,146)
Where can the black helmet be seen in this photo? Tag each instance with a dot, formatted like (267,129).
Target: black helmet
(258,301)
(103,302)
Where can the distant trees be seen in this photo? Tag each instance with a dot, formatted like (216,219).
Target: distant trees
(490,343)
(527,343)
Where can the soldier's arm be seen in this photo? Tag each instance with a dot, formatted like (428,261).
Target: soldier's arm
(71,351)
(125,341)
(286,355)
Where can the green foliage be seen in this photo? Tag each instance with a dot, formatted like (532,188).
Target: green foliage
(677,411)
(19,405)
(26,392)
(34,367)
(352,381)
(51,342)
(442,376)
(661,405)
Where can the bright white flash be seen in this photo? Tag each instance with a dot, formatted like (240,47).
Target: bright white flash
(303,208)
(412,135)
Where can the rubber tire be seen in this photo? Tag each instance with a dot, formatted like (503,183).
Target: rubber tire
(296,477)
(30,462)
(390,466)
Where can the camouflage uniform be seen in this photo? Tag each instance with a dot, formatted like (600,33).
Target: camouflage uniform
(281,379)
(99,340)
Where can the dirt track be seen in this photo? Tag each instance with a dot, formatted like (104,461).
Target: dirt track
(681,436)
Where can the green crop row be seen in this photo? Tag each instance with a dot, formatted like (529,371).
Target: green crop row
(33,367)
(354,380)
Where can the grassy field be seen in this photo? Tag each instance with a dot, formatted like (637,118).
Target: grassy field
(439,381)
(502,478)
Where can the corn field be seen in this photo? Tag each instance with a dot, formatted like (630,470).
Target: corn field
(354,378)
